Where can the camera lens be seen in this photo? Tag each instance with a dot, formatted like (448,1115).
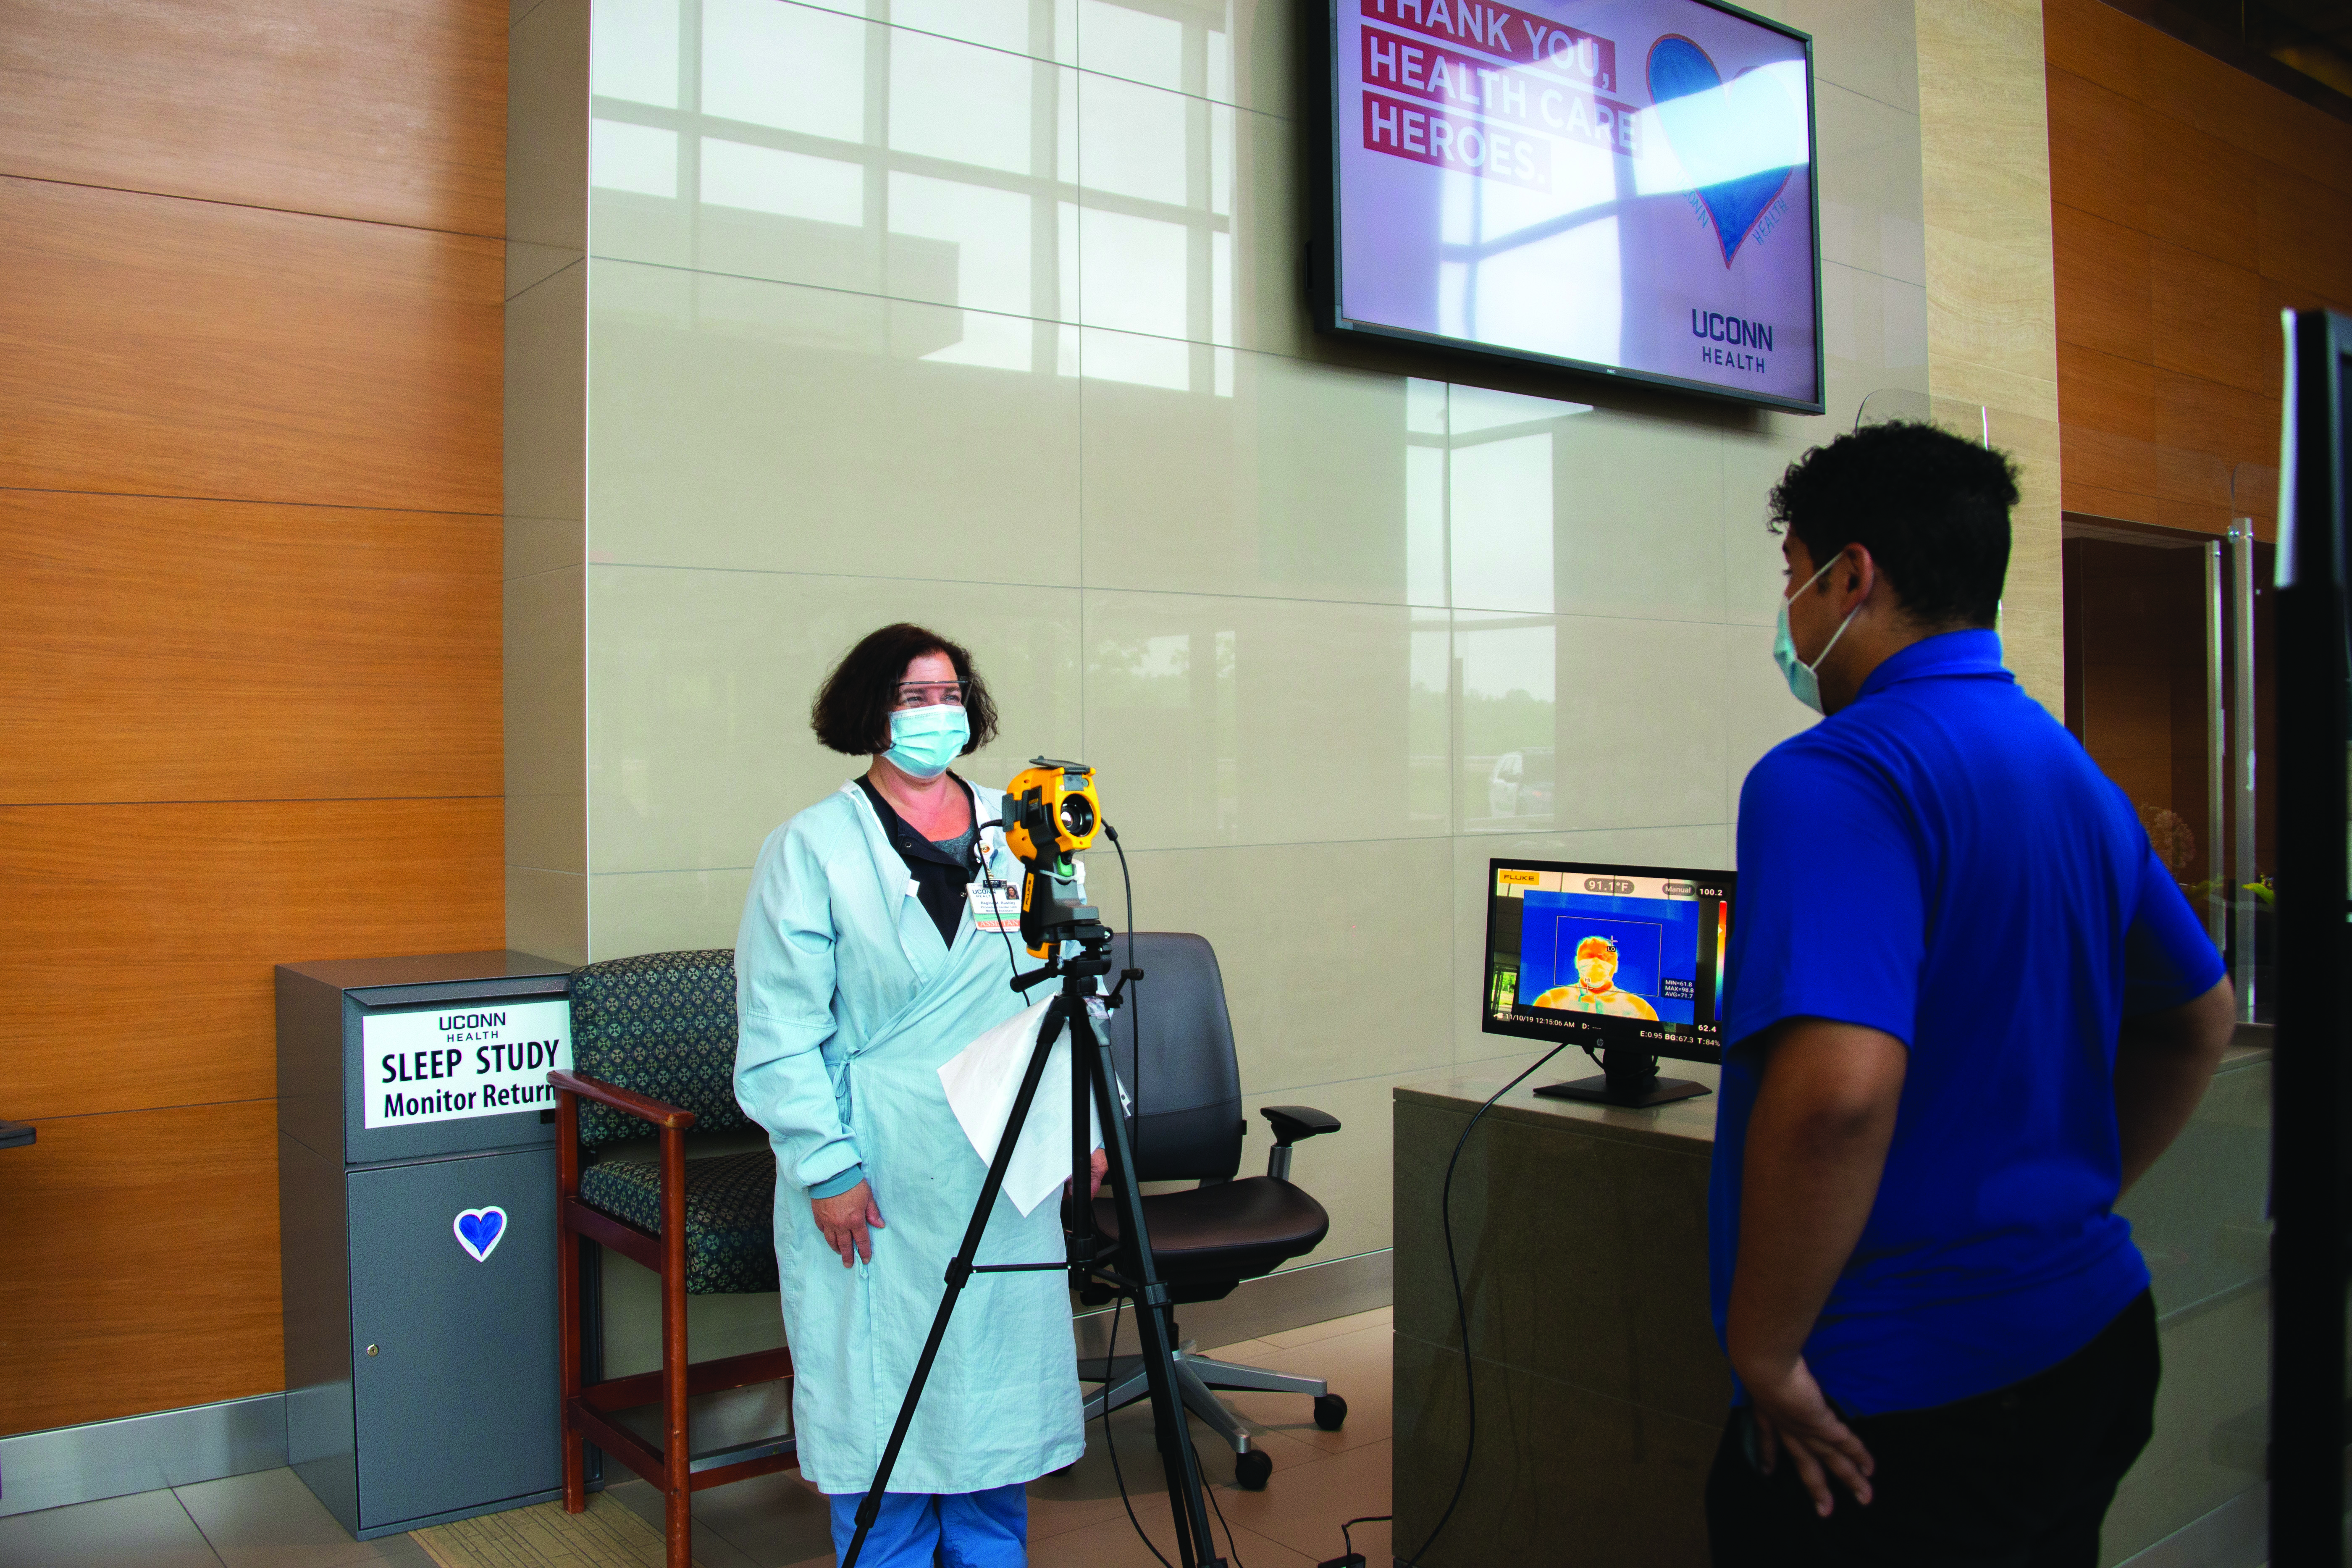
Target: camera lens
(1077,816)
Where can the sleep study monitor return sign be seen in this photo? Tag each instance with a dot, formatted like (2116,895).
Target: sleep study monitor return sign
(467,1058)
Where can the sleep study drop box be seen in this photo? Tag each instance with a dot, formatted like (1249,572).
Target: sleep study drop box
(416,1225)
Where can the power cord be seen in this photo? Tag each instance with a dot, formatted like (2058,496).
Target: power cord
(1461,1316)
(1002,928)
(1352,1558)
(1134,978)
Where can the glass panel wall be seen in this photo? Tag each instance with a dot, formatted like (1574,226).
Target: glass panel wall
(2169,653)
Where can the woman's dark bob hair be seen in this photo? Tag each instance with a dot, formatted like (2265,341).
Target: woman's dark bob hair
(852,712)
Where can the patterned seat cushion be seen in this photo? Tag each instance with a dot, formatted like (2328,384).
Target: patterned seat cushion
(730,1199)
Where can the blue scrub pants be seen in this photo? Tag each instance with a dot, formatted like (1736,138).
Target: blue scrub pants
(966,1530)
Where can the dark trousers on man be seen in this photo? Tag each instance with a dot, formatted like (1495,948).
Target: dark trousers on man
(2019,1478)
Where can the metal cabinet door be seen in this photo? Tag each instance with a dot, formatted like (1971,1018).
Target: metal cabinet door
(457,1407)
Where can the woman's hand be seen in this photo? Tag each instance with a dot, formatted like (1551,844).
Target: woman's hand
(844,1219)
(1101,1165)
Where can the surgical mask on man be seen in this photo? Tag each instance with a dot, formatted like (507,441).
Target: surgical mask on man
(924,741)
(1804,679)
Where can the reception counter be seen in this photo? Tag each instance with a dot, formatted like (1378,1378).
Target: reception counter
(1582,1235)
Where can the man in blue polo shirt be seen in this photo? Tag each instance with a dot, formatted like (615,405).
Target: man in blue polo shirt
(1967,1007)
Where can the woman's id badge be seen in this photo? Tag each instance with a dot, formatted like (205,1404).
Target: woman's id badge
(995,906)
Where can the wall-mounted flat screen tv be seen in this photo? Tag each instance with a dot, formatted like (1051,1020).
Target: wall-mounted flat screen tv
(1618,186)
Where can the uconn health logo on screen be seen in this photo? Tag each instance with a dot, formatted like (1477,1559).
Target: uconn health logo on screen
(1732,342)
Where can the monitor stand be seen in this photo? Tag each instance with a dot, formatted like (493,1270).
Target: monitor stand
(1628,1077)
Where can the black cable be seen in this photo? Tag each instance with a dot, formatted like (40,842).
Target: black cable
(1110,1352)
(1349,1540)
(1134,1105)
(1461,1309)
(1110,1380)
(1002,929)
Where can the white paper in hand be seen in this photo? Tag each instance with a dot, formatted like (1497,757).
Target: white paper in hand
(982,1081)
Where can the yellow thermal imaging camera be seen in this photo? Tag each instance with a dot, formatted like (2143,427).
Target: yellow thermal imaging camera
(1050,812)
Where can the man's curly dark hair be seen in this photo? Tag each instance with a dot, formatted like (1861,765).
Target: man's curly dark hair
(1932,509)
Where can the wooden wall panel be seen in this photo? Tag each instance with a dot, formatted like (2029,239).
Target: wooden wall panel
(2097,43)
(2200,190)
(143,1265)
(2307,230)
(2207,319)
(174,651)
(137,941)
(2186,84)
(393,110)
(163,347)
(2101,128)
(2106,411)
(2102,282)
(251,355)
(2245,205)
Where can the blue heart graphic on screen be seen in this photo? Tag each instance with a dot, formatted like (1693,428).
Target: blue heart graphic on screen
(478,1231)
(1714,130)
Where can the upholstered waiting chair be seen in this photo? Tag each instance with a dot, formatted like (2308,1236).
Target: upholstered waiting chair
(653,1048)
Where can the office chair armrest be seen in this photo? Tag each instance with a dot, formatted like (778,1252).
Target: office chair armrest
(644,1107)
(1290,1123)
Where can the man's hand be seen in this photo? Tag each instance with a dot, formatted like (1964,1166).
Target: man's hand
(844,1219)
(1791,1415)
(1817,1143)
(1101,1163)
(2164,1065)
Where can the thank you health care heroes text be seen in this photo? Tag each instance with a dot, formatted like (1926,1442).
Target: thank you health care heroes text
(1553,83)
(462,1060)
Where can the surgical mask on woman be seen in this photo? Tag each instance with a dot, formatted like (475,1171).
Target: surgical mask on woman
(1804,679)
(924,741)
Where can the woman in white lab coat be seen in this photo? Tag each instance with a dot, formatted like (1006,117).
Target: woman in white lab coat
(861,969)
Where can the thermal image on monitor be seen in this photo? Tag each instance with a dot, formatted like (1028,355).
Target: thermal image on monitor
(1607,951)
(1587,952)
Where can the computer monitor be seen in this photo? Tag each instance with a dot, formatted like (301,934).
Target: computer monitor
(1625,961)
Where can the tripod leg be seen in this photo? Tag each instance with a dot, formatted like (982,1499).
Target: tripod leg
(1081,1228)
(959,1273)
(1188,1504)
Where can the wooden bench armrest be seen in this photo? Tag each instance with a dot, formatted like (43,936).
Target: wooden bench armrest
(644,1107)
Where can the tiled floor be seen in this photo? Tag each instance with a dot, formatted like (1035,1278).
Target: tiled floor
(270,1519)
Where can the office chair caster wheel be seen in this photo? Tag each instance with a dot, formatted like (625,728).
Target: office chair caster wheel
(1330,1412)
(1251,1470)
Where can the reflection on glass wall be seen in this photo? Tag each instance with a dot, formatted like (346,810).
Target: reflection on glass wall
(945,158)
(2153,659)
(2167,644)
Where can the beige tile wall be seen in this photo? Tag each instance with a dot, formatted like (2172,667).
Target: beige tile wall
(1993,321)
(992,320)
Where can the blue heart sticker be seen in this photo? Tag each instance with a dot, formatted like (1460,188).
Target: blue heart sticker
(1711,136)
(478,1231)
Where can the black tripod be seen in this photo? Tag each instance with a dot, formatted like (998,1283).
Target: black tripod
(1090,1262)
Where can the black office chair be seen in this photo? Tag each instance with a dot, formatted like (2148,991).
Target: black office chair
(1207,1238)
